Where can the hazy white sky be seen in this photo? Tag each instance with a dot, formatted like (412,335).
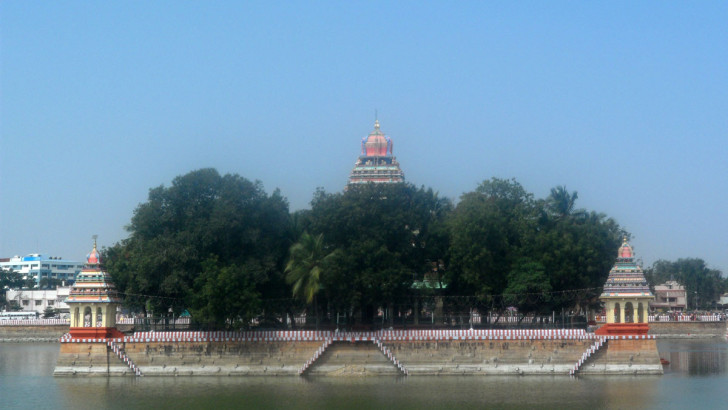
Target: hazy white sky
(625,103)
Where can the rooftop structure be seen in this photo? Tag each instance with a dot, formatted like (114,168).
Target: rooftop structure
(626,295)
(376,163)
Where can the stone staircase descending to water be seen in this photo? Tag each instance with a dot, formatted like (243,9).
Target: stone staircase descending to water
(593,349)
(315,356)
(391,357)
(119,351)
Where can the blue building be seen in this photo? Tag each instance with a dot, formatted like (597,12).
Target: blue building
(37,267)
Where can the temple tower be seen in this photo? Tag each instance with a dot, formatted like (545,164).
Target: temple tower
(626,296)
(376,162)
(92,302)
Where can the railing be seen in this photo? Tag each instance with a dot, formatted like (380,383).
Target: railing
(34,322)
(675,318)
(379,335)
(156,320)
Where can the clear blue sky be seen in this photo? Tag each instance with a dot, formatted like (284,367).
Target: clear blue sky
(624,102)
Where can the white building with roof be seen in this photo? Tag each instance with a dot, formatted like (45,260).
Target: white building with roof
(39,300)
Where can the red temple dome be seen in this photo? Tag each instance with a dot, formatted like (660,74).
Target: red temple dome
(93,258)
(376,144)
(376,163)
(625,251)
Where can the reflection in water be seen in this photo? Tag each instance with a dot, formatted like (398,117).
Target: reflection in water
(27,359)
(697,375)
(370,392)
(625,392)
(695,357)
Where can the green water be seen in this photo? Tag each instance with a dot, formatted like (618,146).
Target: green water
(696,377)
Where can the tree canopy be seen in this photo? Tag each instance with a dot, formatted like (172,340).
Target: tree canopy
(386,235)
(504,242)
(211,243)
(222,248)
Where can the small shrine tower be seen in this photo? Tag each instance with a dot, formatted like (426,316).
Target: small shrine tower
(376,162)
(92,302)
(626,296)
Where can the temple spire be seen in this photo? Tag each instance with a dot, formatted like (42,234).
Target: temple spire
(376,163)
(94,258)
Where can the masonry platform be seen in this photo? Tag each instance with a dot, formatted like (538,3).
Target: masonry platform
(387,352)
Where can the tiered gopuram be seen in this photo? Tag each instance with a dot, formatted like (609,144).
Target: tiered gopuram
(626,296)
(376,162)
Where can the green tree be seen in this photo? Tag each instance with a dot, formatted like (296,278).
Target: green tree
(488,228)
(49,313)
(528,287)
(304,267)
(203,217)
(387,235)
(227,296)
(560,202)
(577,254)
(499,226)
(9,279)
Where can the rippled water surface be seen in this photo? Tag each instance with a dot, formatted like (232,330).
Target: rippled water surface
(696,378)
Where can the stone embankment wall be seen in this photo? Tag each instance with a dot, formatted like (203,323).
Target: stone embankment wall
(89,359)
(625,357)
(231,358)
(376,353)
(490,356)
(688,329)
(32,333)
(186,358)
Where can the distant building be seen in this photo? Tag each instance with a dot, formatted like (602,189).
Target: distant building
(38,300)
(36,266)
(376,162)
(670,296)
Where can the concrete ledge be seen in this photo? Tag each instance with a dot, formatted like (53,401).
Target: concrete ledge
(616,369)
(92,371)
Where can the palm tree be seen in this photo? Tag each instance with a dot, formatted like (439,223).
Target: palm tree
(561,203)
(304,268)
